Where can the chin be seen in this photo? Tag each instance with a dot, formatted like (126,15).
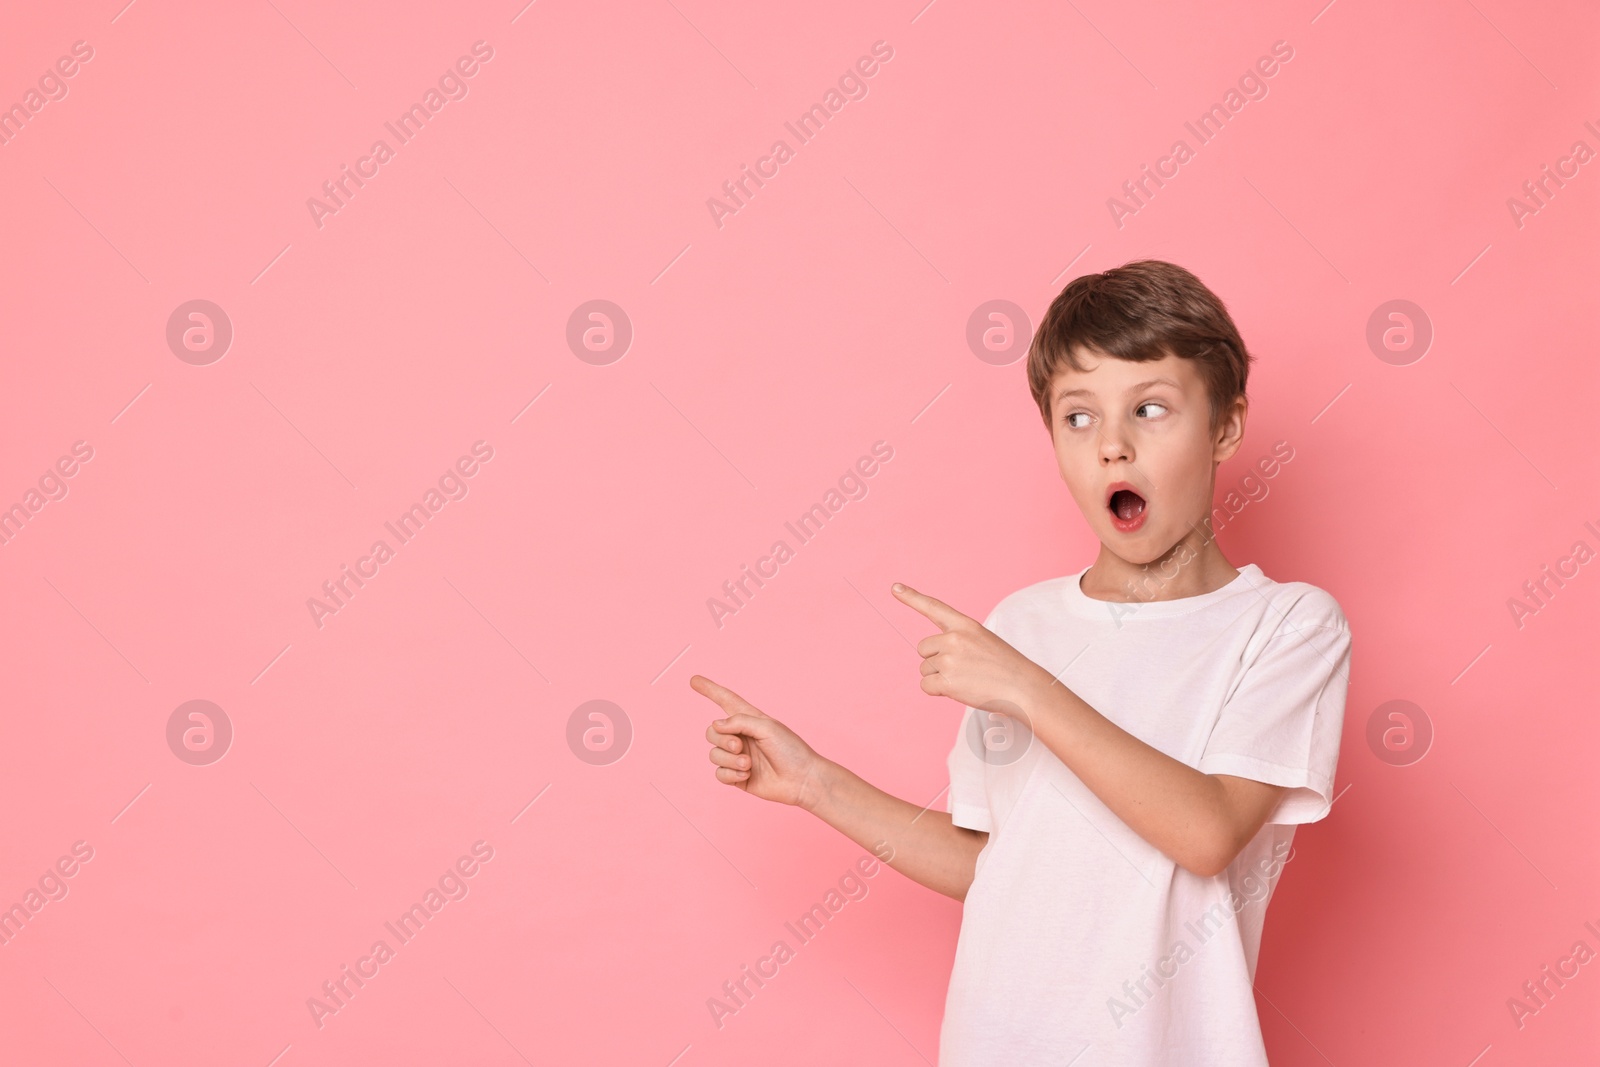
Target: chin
(1139,555)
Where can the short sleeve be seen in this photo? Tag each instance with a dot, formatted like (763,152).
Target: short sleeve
(968,799)
(1285,719)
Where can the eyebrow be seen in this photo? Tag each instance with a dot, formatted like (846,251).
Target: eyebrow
(1132,388)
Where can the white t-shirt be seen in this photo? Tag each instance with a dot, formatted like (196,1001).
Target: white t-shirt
(1081,943)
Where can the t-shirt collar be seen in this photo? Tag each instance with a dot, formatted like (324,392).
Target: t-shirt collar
(1085,606)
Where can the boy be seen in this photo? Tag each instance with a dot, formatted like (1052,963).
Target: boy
(1140,738)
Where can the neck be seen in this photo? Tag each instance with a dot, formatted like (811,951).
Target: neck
(1192,567)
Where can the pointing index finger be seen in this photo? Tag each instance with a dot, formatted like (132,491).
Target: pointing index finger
(941,613)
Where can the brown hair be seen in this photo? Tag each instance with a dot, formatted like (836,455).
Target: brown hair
(1141,311)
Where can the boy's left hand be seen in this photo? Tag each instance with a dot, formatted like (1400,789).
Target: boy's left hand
(970,663)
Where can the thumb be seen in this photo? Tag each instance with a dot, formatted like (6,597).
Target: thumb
(755,727)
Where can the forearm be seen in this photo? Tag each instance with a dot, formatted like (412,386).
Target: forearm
(1175,807)
(926,846)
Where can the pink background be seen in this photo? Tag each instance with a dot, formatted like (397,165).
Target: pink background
(768,354)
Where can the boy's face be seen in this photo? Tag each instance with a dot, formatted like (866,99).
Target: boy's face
(1146,426)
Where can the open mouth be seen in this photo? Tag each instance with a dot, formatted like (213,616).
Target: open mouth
(1127,510)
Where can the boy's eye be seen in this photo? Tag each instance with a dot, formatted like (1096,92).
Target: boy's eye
(1160,408)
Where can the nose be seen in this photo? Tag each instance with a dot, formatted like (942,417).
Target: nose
(1112,447)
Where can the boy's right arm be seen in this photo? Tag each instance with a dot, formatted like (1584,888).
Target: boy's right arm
(926,846)
(756,753)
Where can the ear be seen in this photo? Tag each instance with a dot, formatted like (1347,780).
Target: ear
(1230,430)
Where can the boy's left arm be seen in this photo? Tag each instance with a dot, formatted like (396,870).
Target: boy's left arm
(1199,820)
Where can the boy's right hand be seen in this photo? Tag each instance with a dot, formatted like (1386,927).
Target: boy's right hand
(757,753)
